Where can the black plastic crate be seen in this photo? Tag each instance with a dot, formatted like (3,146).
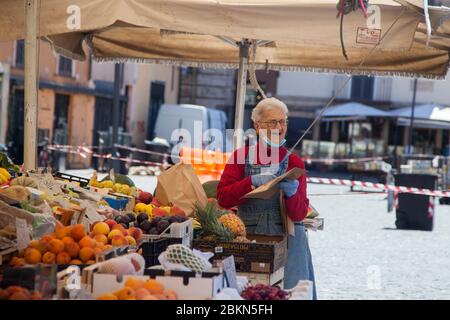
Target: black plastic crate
(40,278)
(153,248)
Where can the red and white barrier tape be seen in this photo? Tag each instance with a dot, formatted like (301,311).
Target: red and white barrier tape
(341,182)
(345,160)
(431,208)
(84,148)
(378,186)
(109,156)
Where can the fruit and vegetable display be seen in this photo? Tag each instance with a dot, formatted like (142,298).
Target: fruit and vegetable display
(264,292)
(73,245)
(7,168)
(118,183)
(153,218)
(215,223)
(19,293)
(181,255)
(137,289)
(110,222)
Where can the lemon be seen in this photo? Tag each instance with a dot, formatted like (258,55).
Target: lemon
(106,184)
(140,207)
(125,189)
(116,187)
(149,210)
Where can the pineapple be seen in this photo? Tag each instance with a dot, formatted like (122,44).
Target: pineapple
(208,217)
(234,223)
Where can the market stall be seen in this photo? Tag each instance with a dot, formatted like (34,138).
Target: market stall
(165,245)
(250,36)
(96,218)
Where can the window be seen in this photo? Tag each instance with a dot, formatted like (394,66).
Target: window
(19,60)
(65,66)
(362,88)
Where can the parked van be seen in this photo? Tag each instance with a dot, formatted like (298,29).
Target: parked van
(183,116)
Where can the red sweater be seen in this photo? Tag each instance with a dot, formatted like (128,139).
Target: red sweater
(233,185)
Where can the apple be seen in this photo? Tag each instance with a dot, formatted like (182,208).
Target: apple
(145,197)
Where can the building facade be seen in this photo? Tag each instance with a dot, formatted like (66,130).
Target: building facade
(75,101)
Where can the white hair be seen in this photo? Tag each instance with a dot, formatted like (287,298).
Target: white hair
(265,104)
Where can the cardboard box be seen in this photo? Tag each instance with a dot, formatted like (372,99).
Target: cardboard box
(266,255)
(187,285)
(275,278)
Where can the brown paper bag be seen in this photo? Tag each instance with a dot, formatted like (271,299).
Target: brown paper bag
(180,186)
(288,224)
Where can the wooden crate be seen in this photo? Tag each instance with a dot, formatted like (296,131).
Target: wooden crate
(266,255)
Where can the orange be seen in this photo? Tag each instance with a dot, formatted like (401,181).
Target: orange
(56,246)
(63,258)
(86,254)
(154,287)
(141,293)
(32,256)
(63,232)
(67,240)
(45,240)
(75,261)
(49,258)
(78,232)
(87,242)
(73,249)
(90,262)
(134,283)
(38,245)
(125,293)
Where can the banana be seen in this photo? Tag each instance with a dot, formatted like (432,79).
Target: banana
(2,179)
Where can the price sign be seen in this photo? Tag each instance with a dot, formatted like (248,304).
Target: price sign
(230,272)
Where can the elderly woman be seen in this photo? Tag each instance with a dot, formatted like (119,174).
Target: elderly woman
(263,216)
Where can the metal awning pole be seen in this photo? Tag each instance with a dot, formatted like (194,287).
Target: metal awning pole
(411,123)
(115,116)
(31,84)
(240,93)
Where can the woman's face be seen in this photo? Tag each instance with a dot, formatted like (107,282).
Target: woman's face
(273,124)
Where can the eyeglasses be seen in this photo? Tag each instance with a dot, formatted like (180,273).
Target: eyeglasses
(273,123)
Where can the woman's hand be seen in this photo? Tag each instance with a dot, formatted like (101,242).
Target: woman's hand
(260,179)
(289,187)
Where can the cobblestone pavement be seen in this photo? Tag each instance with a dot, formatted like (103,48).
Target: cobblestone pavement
(360,254)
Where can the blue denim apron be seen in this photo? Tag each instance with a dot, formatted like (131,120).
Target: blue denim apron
(262,216)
